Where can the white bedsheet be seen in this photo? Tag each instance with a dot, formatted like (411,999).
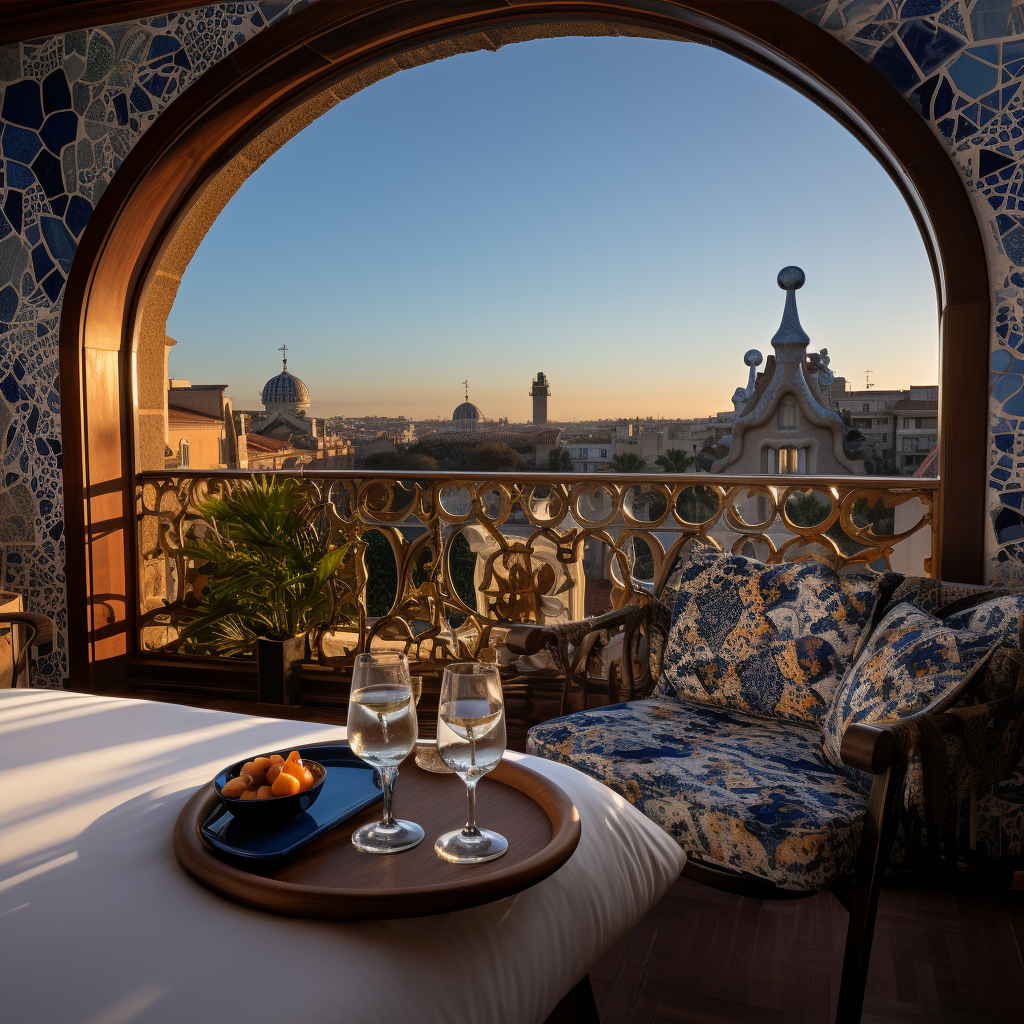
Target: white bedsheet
(100,925)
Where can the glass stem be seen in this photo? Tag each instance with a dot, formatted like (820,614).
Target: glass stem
(471,829)
(388,778)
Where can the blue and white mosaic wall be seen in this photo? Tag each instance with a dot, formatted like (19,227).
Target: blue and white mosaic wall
(961,66)
(72,106)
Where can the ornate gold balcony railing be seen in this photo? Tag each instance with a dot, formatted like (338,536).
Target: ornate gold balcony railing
(440,561)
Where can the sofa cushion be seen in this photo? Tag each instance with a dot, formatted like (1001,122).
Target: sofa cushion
(998,617)
(772,640)
(911,661)
(752,793)
(930,595)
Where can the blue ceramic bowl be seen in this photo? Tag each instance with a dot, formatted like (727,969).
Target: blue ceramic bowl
(266,814)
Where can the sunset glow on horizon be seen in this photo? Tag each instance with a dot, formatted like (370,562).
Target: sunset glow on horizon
(612,212)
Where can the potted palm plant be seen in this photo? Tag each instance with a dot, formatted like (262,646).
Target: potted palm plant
(270,578)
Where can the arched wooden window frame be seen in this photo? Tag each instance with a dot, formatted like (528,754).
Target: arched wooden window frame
(323,44)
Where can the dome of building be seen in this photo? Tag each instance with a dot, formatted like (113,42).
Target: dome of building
(467,412)
(285,392)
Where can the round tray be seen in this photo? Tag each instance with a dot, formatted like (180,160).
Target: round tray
(330,878)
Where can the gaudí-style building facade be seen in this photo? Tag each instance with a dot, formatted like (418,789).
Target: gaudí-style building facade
(786,423)
(75,105)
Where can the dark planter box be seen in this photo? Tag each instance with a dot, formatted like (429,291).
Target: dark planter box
(280,669)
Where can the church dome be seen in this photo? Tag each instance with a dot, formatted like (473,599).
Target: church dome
(467,413)
(285,392)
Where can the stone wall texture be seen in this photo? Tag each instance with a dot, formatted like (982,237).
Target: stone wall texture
(72,106)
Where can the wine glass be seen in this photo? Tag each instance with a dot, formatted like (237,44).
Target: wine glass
(382,731)
(471,740)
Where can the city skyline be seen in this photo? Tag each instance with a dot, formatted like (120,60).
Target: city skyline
(501,213)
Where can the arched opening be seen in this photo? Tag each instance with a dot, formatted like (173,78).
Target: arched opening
(187,166)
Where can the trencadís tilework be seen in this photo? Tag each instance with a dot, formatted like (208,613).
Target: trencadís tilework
(73,106)
(768,639)
(960,64)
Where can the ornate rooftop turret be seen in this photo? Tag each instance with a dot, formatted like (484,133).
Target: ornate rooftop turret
(785,423)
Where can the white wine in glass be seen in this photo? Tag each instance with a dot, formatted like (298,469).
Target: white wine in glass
(382,731)
(471,740)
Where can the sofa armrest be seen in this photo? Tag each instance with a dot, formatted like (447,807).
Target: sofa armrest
(871,748)
(530,638)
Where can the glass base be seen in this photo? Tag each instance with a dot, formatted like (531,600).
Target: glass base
(459,848)
(376,838)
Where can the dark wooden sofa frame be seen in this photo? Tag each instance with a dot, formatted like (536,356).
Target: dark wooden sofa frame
(879,749)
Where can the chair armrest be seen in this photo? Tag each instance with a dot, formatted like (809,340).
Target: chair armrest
(871,748)
(529,638)
(874,748)
(40,626)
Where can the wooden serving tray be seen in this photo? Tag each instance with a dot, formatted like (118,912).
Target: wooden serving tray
(330,878)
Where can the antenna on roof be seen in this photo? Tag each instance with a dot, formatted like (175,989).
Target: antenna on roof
(284,357)
(867,379)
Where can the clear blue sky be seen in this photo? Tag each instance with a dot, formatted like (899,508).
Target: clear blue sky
(611,211)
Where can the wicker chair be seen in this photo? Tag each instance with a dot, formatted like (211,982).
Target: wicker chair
(911,818)
(19,632)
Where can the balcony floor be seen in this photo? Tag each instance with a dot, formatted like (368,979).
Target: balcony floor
(714,958)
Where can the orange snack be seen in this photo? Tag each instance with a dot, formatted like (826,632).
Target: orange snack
(295,768)
(257,768)
(294,756)
(276,759)
(306,780)
(249,794)
(272,773)
(285,785)
(264,793)
(237,786)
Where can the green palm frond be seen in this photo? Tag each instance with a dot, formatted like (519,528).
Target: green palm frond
(270,573)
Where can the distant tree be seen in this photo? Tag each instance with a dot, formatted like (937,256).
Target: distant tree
(805,508)
(697,504)
(400,460)
(493,456)
(630,462)
(674,461)
(559,461)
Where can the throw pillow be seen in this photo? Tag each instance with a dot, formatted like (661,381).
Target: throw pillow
(764,639)
(911,661)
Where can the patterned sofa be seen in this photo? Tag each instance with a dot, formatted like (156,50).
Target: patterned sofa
(809,728)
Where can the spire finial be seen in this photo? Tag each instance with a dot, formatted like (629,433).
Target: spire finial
(465,385)
(284,358)
(790,332)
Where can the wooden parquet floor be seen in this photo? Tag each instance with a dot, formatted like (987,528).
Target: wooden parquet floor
(712,958)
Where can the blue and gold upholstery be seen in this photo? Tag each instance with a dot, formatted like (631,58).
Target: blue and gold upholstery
(771,640)
(911,661)
(737,753)
(752,793)
(929,595)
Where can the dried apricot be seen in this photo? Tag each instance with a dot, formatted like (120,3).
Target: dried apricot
(272,773)
(257,768)
(294,756)
(264,793)
(249,794)
(285,785)
(306,780)
(237,786)
(276,759)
